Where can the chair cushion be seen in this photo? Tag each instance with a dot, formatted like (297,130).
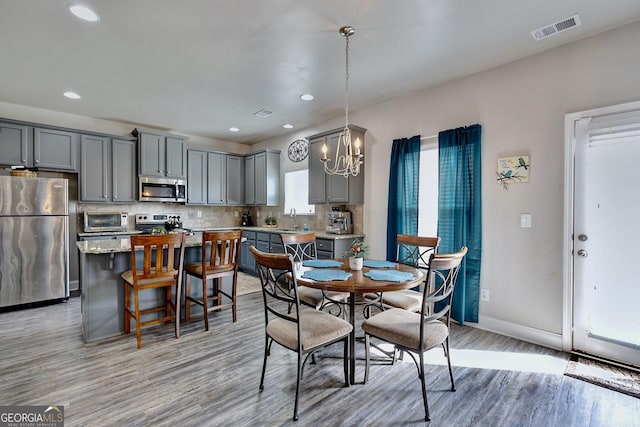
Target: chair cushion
(402,327)
(317,328)
(195,269)
(127,276)
(314,297)
(404,299)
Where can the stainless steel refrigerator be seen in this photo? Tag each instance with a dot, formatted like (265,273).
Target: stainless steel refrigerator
(34,236)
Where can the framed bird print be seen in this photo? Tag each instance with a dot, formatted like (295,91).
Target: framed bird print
(512,170)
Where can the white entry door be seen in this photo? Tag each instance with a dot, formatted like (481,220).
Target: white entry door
(606,237)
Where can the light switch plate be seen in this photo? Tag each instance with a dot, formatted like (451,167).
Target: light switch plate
(525,220)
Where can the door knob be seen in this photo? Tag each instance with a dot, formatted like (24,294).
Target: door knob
(583,253)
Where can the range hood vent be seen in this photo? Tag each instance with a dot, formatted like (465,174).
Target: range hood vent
(556,27)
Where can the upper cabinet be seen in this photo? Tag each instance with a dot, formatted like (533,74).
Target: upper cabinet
(107,169)
(37,147)
(325,188)
(196,177)
(235,180)
(214,178)
(161,154)
(262,178)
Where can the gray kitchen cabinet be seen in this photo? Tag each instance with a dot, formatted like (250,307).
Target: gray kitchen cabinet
(235,180)
(176,149)
(197,177)
(161,155)
(107,169)
(43,148)
(55,149)
(216,179)
(247,261)
(325,188)
(209,174)
(262,178)
(250,180)
(123,166)
(14,142)
(332,248)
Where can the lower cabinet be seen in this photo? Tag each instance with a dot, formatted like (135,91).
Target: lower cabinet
(247,262)
(272,243)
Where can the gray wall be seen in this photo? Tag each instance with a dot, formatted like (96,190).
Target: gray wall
(521,107)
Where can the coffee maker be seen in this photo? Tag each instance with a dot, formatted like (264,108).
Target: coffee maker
(247,221)
(339,222)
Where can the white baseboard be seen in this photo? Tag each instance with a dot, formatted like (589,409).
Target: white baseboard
(524,333)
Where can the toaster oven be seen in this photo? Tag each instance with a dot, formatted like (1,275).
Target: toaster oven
(98,221)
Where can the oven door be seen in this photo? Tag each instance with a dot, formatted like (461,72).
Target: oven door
(105,221)
(162,190)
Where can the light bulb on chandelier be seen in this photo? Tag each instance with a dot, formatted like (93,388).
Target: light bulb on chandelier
(348,156)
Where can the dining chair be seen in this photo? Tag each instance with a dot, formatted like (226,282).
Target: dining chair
(414,251)
(302,246)
(303,329)
(419,332)
(220,259)
(160,268)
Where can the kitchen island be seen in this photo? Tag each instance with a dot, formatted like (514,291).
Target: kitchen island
(102,290)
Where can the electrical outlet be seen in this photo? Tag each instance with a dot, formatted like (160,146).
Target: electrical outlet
(484,294)
(199,214)
(237,214)
(525,220)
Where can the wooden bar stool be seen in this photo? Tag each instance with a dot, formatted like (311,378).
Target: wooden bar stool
(221,261)
(160,269)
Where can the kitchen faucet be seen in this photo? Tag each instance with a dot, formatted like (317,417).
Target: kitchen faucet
(292,214)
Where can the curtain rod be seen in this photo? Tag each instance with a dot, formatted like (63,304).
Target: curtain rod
(428,137)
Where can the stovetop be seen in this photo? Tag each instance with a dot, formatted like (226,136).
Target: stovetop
(148,221)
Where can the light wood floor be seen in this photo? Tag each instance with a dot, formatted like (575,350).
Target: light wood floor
(211,378)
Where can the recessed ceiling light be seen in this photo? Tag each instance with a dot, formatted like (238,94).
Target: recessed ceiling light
(71,95)
(306,97)
(83,12)
(234,129)
(288,126)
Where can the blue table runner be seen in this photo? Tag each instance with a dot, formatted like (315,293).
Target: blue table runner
(321,263)
(326,275)
(374,263)
(389,275)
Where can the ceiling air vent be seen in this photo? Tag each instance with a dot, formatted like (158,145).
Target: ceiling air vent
(263,113)
(556,27)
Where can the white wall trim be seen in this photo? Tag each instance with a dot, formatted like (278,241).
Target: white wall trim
(524,333)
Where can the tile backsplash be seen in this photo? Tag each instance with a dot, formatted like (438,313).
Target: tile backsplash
(224,216)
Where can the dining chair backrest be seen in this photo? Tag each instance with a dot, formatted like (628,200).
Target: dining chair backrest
(441,280)
(416,250)
(221,250)
(277,295)
(159,263)
(301,246)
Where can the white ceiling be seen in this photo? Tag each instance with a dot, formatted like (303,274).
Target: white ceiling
(201,66)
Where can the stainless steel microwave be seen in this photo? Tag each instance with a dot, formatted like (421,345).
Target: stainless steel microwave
(154,189)
(95,221)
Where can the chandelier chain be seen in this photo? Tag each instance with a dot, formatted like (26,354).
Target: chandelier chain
(346,83)
(348,156)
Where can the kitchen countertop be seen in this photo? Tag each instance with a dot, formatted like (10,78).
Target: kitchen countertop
(108,246)
(121,245)
(319,234)
(109,233)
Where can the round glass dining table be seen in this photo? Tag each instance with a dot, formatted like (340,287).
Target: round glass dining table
(359,283)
